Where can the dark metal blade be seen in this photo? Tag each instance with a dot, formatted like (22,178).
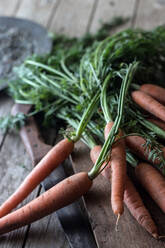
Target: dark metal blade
(38,35)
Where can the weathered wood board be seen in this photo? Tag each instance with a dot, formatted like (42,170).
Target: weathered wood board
(106,10)
(47,232)
(6,102)
(9,7)
(14,166)
(71,17)
(39,11)
(74,18)
(150,14)
(130,234)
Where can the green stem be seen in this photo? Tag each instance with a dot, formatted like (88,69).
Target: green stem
(104,104)
(149,125)
(89,140)
(135,86)
(30,82)
(48,68)
(153,127)
(131,159)
(114,130)
(67,71)
(87,116)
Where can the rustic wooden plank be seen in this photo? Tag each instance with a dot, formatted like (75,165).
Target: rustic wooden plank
(46,232)
(106,10)
(5,106)
(72,17)
(14,166)
(36,10)
(130,234)
(8,7)
(150,14)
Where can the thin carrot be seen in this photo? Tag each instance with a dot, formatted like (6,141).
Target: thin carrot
(149,104)
(155,91)
(53,158)
(118,172)
(153,182)
(136,145)
(136,207)
(57,197)
(132,198)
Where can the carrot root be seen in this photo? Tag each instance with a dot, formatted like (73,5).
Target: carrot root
(153,182)
(155,91)
(57,197)
(118,172)
(149,104)
(132,199)
(52,159)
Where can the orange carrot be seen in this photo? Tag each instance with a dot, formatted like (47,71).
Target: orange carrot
(94,154)
(149,104)
(118,172)
(153,182)
(132,198)
(155,91)
(57,197)
(136,207)
(135,143)
(53,158)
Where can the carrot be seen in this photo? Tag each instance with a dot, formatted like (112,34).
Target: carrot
(55,198)
(136,207)
(153,182)
(155,91)
(136,145)
(118,172)
(94,154)
(132,198)
(53,158)
(149,104)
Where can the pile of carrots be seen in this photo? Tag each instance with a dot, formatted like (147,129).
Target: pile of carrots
(149,97)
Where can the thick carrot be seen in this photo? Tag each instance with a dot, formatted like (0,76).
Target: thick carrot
(132,198)
(149,104)
(153,182)
(136,145)
(118,172)
(155,91)
(57,197)
(53,158)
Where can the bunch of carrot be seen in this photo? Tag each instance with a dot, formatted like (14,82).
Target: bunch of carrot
(105,71)
(68,190)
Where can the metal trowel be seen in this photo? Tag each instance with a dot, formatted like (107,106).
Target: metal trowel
(35,34)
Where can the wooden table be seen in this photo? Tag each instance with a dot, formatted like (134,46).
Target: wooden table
(73,18)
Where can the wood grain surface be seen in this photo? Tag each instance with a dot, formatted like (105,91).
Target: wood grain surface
(74,18)
(150,14)
(71,17)
(129,234)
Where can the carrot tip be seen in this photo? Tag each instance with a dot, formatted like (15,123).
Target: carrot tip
(155,235)
(117,221)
